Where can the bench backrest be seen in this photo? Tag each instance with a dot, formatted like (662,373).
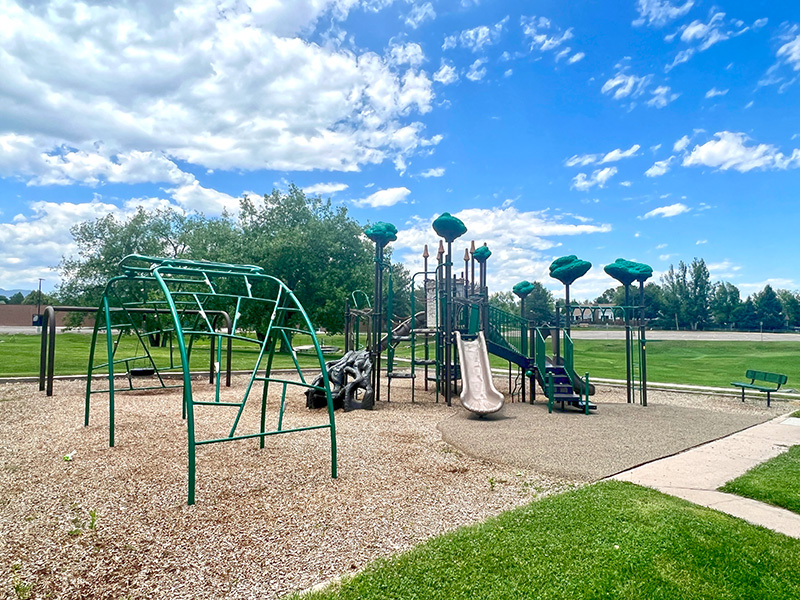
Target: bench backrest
(776,378)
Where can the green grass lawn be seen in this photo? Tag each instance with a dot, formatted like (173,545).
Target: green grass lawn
(21,354)
(775,482)
(690,362)
(608,540)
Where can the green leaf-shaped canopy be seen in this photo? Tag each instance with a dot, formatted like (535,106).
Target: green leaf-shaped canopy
(482,254)
(628,271)
(382,233)
(523,288)
(569,268)
(449,227)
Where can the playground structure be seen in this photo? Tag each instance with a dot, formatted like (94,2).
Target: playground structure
(157,299)
(457,315)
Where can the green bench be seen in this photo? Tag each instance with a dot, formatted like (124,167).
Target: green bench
(777,378)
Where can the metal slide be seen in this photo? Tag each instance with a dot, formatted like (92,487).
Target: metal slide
(478,393)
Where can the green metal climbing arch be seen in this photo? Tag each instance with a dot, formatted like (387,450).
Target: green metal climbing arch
(176,301)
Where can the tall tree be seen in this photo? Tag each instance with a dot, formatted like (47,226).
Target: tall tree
(675,290)
(317,250)
(768,309)
(745,315)
(725,299)
(505,301)
(539,306)
(791,307)
(699,292)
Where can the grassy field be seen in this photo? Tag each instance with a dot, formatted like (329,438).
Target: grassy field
(776,481)
(690,362)
(608,540)
(21,354)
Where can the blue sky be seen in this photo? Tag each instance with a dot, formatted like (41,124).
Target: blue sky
(650,130)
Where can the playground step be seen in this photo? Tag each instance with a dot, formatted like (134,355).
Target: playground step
(396,375)
(424,362)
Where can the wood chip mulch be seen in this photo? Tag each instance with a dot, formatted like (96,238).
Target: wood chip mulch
(113,522)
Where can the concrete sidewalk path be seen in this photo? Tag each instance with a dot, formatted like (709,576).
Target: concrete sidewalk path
(695,474)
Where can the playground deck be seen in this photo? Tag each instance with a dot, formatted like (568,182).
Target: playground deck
(266,522)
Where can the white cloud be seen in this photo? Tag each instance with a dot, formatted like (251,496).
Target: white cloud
(194,197)
(31,246)
(660,12)
(661,246)
(612,156)
(411,54)
(325,188)
(584,183)
(626,184)
(660,167)
(623,85)
(437,172)
(419,14)
(219,89)
(701,36)
(713,92)
(790,53)
(477,38)
(476,71)
(667,211)
(731,151)
(681,144)
(662,96)
(521,242)
(545,37)
(618,154)
(446,74)
(665,257)
(701,242)
(384,198)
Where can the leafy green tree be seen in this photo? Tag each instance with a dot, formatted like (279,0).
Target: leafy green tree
(46,299)
(745,316)
(104,242)
(539,306)
(317,250)
(16,298)
(791,307)
(768,309)
(3,299)
(699,292)
(613,295)
(725,299)
(506,301)
(675,289)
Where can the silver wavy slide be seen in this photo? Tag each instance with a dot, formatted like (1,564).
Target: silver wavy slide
(478,393)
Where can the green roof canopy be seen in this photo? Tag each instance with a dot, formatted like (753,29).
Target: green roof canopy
(382,233)
(523,288)
(449,227)
(569,268)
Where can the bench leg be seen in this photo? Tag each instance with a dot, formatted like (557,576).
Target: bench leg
(767,399)
(742,394)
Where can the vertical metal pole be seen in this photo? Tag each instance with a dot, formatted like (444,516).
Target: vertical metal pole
(51,352)
(523,339)
(377,316)
(557,336)
(466,273)
(43,350)
(472,255)
(568,316)
(448,325)
(348,323)
(628,356)
(643,348)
